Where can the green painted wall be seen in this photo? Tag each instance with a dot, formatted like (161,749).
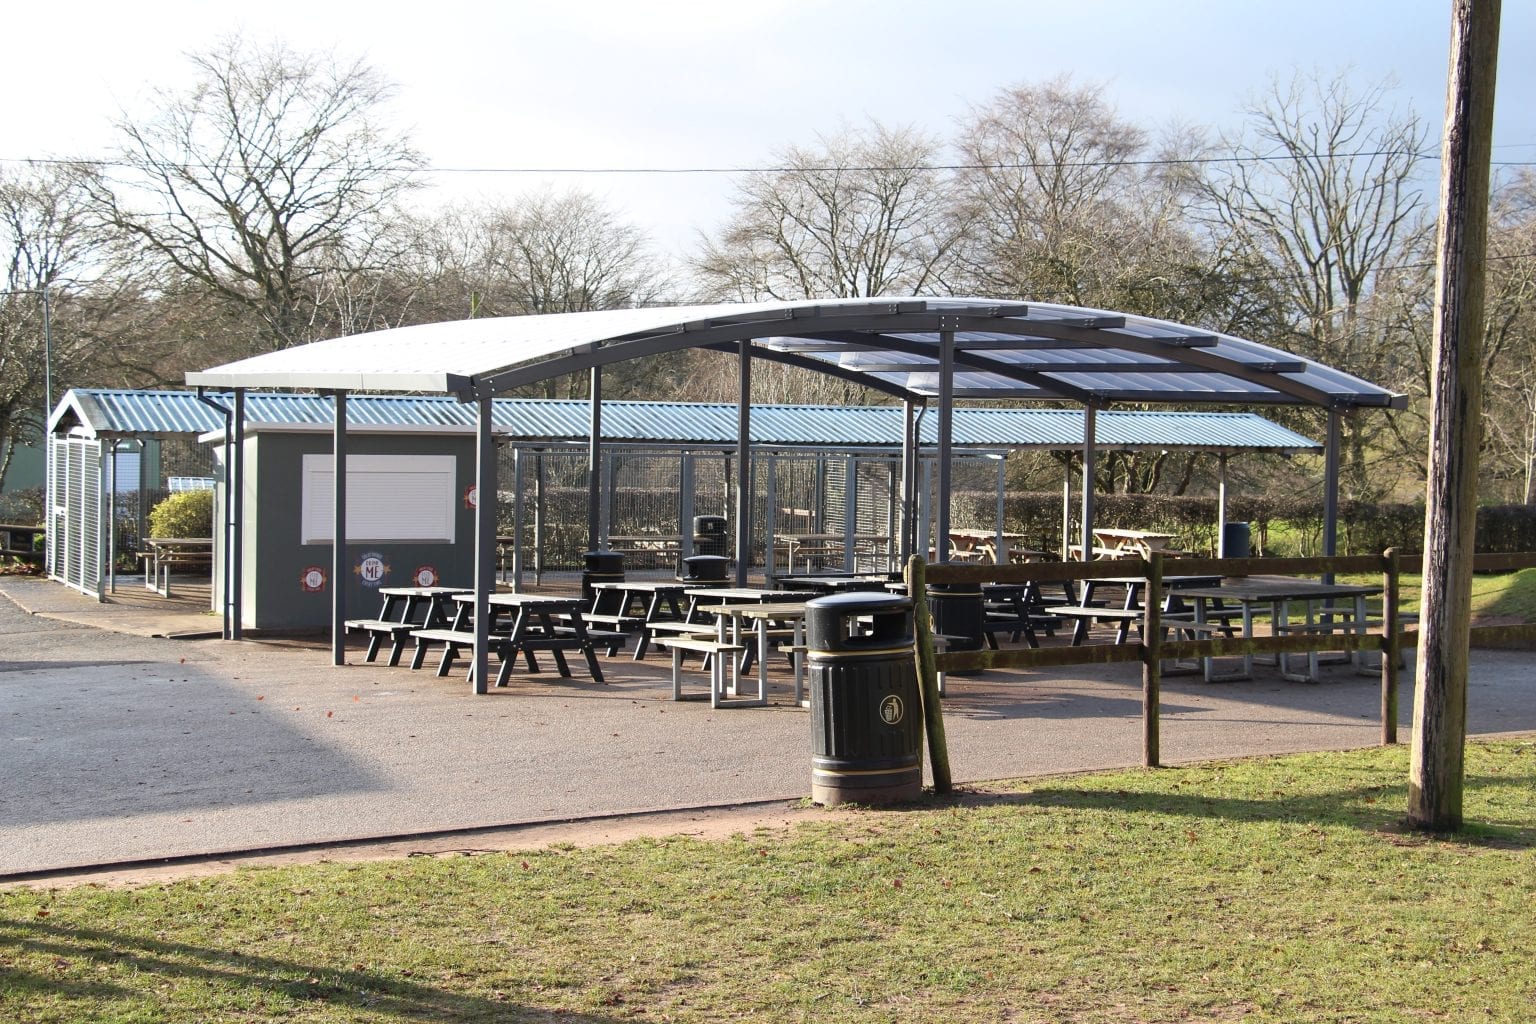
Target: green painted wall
(274,596)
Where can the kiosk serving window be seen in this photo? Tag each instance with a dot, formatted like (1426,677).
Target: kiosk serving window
(390,499)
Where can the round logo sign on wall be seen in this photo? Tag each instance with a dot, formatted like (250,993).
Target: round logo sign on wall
(426,576)
(312,579)
(892,709)
(372,569)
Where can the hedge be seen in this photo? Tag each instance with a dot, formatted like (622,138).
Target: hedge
(1279,526)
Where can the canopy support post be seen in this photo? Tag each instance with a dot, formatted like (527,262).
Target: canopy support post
(111,517)
(485,541)
(519,518)
(1221,505)
(595,539)
(1331,488)
(685,508)
(908,482)
(1066,507)
(235,495)
(1090,435)
(946,439)
(743,461)
(1002,486)
(339,529)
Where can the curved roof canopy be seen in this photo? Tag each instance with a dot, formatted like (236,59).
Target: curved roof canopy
(1001,350)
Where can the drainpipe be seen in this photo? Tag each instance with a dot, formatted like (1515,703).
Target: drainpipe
(226,566)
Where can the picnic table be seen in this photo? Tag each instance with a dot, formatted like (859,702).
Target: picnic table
(1129,611)
(656,547)
(637,604)
(17,541)
(836,582)
(968,544)
(1114,542)
(167,553)
(539,623)
(812,550)
(405,610)
(768,619)
(1284,598)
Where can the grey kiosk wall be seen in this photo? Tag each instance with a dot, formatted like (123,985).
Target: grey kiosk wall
(286,583)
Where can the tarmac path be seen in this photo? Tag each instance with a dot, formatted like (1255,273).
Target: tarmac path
(118,748)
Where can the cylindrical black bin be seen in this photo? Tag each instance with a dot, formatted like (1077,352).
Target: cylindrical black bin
(705,568)
(709,537)
(866,719)
(959,613)
(1236,540)
(600,567)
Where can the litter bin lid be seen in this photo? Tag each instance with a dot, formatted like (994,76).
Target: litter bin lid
(859,602)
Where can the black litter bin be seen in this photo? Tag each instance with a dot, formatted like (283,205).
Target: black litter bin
(600,567)
(709,535)
(866,718)
(705,568)
(1236,540)
(959,613)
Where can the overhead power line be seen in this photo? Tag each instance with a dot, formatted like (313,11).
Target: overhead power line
(1271,158)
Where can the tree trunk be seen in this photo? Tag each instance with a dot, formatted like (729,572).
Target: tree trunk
(1440,696)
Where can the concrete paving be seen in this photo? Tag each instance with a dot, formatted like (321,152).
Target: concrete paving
(121,747)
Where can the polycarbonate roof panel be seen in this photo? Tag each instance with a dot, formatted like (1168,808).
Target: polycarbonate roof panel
(1007,349)
(107,413)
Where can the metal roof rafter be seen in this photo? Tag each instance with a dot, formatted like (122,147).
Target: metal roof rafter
(971,361)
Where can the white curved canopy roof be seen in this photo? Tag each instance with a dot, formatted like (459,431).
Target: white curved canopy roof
(1001,350)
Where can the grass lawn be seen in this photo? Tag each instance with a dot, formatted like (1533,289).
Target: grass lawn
(1496,597)
(1274,889)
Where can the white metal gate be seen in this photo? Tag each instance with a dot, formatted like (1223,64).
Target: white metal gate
(76,526)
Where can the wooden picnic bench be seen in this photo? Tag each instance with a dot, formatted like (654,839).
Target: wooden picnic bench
(168,553)
(17,541)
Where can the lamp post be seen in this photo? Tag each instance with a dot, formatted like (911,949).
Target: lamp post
(47,359)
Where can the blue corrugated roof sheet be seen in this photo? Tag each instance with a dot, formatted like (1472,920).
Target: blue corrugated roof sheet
(162,413)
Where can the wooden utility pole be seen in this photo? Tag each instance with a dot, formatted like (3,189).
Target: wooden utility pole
(1440,693)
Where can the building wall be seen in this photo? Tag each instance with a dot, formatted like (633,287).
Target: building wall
(278,591)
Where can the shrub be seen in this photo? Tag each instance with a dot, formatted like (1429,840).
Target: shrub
(184,514)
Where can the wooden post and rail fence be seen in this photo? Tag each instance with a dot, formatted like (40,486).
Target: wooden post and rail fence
(1385,635)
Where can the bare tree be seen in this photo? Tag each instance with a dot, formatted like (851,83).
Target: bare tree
(1402,307)
(1509,339)
(1324,193)
(544,252)
(865,213)
(1045,183)
(570,252)
(49,245)
(272,170)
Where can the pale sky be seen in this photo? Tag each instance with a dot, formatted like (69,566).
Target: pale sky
(680,84)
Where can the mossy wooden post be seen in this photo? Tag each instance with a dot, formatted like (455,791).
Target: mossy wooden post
(1437,759)
(928,676)
(1152,663)
(1391,647)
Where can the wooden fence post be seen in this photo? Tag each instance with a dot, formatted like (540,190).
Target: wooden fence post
(928,677)
(1152,663)
(1392,645)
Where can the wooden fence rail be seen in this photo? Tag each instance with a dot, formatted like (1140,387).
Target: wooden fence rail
(1152,649)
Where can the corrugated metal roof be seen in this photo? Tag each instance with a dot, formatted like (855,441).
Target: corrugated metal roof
(1002,350)
(163,413)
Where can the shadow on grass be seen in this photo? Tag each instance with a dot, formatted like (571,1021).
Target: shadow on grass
(1373,808)
(155,964)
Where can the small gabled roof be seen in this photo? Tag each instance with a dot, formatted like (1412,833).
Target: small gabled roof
(1002,350)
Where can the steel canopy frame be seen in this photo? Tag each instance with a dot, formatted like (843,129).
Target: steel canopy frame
(909,348)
